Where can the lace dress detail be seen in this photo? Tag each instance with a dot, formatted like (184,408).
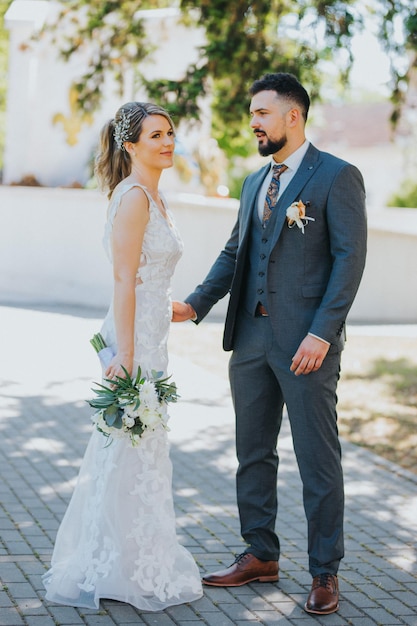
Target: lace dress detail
(118,539)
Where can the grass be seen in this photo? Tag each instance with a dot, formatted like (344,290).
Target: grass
(378,397)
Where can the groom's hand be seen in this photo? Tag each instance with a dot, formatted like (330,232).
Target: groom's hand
(182,311)
(309,356)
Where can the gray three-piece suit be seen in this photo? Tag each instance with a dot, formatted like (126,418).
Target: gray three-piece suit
(307,283)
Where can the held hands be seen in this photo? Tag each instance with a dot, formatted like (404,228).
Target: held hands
(182,311)
(309,356)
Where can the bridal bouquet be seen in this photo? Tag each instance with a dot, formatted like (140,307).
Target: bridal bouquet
(131,406)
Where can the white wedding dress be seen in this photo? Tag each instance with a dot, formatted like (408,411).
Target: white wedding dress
(118,539)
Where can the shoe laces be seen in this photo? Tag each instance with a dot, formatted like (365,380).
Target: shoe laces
(240,557)
(324,580)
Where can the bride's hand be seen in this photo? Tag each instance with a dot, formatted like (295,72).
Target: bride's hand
(115,367)
(182,311)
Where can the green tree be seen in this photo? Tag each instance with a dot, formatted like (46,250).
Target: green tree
(405,197)
(244,39)
(397,21)
(113,35)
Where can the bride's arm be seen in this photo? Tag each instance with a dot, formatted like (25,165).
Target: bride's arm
(127,238)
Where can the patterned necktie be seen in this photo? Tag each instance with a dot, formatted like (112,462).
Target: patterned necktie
(273,190)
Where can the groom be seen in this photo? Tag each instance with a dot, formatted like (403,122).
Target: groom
(292,273)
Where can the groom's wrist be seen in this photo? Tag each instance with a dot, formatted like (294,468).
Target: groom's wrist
(320,338)
(193,314)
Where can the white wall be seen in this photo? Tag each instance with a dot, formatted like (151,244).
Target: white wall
(51,251)
(388,291)
(51,244)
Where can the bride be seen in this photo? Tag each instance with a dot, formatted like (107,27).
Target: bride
(117,539)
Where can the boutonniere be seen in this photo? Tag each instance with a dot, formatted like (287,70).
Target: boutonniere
(296,214)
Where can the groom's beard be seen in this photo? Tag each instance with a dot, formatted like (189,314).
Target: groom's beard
(271,147)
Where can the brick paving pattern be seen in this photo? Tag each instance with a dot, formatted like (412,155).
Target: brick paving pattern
(46,372)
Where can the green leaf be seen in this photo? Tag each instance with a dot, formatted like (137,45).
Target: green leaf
(137,429)
(138,377)
(113,417)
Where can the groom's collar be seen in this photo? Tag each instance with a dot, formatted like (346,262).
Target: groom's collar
(294,160)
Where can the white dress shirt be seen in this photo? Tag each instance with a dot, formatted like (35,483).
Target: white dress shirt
(293,163)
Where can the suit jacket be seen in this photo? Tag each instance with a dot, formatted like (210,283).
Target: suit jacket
(312,278)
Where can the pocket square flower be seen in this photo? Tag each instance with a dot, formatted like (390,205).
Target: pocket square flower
(296,214)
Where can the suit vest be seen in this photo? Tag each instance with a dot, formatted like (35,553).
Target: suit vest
(259,250)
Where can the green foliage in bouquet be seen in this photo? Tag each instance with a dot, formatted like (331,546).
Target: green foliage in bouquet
(132,405)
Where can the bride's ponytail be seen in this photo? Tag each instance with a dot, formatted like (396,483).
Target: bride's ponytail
(112,164)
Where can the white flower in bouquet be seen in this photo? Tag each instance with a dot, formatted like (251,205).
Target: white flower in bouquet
(101,425)
(149,394)
(128,421)
(151,418)
(131,406)
(133,411)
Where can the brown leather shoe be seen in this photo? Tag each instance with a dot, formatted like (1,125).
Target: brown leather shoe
(324,595)
(246,569)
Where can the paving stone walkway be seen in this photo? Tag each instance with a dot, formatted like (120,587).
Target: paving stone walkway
(46,371)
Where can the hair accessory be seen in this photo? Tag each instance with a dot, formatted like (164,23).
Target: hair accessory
(121,129)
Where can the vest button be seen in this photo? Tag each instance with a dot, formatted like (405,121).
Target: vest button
(264,240)
(261,274)
(262,256)
(260,291)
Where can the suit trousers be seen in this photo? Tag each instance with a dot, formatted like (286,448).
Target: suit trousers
(261,383)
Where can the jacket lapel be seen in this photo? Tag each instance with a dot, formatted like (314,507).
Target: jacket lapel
(308,167)
(251,193)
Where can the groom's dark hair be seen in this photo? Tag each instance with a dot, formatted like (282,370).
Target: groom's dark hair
(286,86)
